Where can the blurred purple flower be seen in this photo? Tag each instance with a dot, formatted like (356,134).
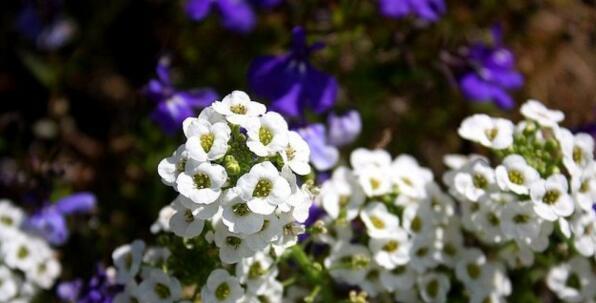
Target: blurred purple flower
(50,221)
(45,25)
(343,130)
(236,15)
(429,10)
(291,82)
(323,155)
(99,289)
(492,73)
(174,106)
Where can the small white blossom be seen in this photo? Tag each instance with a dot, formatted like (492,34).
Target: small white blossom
(379,222)
(237,216)
(341,195)
(158,287)
(348,263)
(238,108)
(362,158)
(516,175)
(221,287)
(536,111)
(263,188)
(206,141)
(550,198)
(572,281)
(494,133)
(433,287)
(267,135)
(297,154)
(232,247)
(8,284)
(127,259)
(201,182)
(391,251)
(474,180)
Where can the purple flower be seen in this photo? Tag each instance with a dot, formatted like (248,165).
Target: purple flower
(291,82)
(429,10)
(45,24)
(343,130)
(50,221)
(174,106)
(236,15)
(99,289)
(491,73)
(322,154)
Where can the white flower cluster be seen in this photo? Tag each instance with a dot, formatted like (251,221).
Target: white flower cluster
(254,282)
(545,182)
(411,237)
(237,171)
(27,263)
(140,271)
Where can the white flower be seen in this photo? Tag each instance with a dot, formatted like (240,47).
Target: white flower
(296,154)
(237,216)
(536,111)
(45,272)
(267,135)
(232,247)
(362,158)
(410,178)
(221,287)
(8,284)
(424,253)
(157,255)
(487,219)
(577,150)
(127,259)
(256,271)
(494,133)
(206,141)
(341,195)
(550,198)
(263,188)
(290,230)
(517,255)
(584,230)
(452,242)
(163,219)
(519,222)
(433,287)
(471,267)
(201,182)
(401,277)
(272,227)
(348,263)
(238,108)
(475,179)
(374,181)
(516,175)
(169,168)
(583,188)
(391,251)
(300,200)
(11,218)
(189,218)
(372,282)
(417,219)
(20,252)
(207,114)
(158,287)
(379,222)
(572,281)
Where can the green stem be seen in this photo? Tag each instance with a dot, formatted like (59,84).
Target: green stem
(314,274)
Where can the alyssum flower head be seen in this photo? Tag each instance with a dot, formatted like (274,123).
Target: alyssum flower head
(237,172)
